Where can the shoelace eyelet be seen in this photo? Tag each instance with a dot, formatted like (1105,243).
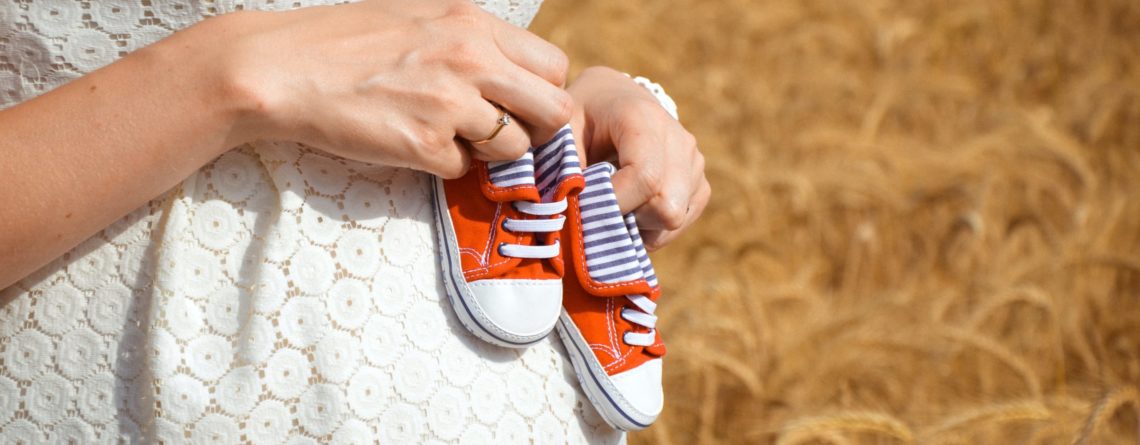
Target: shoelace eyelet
(500,249)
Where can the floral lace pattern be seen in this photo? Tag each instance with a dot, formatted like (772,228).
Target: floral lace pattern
(279,295)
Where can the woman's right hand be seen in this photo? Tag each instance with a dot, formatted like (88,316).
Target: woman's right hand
(395,82)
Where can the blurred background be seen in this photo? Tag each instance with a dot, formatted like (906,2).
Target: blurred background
(925,225)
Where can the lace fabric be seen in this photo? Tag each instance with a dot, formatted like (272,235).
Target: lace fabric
(278,295)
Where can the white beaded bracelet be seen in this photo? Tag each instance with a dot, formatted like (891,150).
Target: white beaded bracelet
(666,102)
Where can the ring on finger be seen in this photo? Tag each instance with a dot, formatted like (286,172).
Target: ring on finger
(503,120)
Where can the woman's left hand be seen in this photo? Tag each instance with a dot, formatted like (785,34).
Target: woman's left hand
(662,173)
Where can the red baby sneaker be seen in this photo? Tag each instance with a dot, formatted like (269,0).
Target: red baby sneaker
(610,293)
(499,230)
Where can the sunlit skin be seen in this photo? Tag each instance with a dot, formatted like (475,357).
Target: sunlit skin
(385,82)
(662,175)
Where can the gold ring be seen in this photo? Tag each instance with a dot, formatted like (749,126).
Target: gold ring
(503,120)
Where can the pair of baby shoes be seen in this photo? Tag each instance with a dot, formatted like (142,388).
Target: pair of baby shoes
(537,243)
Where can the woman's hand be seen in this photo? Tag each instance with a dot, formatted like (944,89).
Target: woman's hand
(382,81)
(662,174)
(397,83)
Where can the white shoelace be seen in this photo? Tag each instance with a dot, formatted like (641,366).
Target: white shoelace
(535,226)
(644,317)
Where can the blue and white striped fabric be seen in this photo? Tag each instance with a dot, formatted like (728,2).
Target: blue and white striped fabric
(642,255)
(544,166)
(611,256)
(513,173)
(556,160)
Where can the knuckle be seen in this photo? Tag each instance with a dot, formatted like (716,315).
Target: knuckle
(461,10)
(511,147)
(454,170)
(464,18)
(699,162)
(656,239)
(689,139)
(440,99)
(465,56)
(650,181)
(516,150)
(673,214)
(559,66)
(563,109)
(430,142)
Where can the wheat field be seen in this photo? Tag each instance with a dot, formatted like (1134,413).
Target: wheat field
(926,216)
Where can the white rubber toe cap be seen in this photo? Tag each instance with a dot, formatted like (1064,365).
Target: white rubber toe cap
(522,308)
(641,389)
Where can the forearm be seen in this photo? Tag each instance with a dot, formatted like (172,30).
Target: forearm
(83,155)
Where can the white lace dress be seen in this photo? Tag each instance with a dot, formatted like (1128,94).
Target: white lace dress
(278,295)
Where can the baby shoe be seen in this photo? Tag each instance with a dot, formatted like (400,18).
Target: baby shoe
(609,296)
(499,229)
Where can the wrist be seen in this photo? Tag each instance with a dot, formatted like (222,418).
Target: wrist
(608,85)
(609,97)
(659,93)
(209,62)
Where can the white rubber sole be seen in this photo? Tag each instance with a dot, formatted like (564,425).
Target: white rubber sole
(614,408)
(462,298)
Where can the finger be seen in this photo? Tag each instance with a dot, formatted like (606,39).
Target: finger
(450,161)
(479,123)
(532,53)
(636,183)
(542,107)
(683,172)
(656,239)
(666,209)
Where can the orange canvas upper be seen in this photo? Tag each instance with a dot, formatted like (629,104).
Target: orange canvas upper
(596,307)
(478,224)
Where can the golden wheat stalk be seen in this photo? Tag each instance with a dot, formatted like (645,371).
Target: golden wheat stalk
(708,410)
(993,415)
(804,430)
(998,351)
(1104,409)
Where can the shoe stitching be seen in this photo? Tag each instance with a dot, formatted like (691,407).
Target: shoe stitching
(610,349)
(494,190)
(494,233)
(620,361)
(513,282)
(619,358)
(483,261)
(469,251)
(605,349)
(610,326)
(482,258)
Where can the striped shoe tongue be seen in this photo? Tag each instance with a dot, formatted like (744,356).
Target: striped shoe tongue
(506,174)
(611,253)
(642,255)
(544,166)
(556,161)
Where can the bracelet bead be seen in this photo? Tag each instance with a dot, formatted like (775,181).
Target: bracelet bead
(658,92)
